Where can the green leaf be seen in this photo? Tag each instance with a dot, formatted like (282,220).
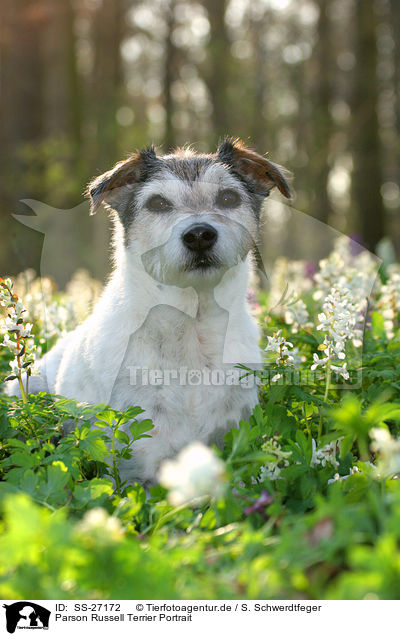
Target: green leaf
(378,325)
(132,412)
(138,429)
(29,482)
(96,449)
(346,445)
(134,500)
(57,476)
(258,415)
(79,410)
(95,492)
(305,444)
(26,460)
(107,416)
(122,437)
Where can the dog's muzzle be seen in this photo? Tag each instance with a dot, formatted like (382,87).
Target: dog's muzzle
(200,238)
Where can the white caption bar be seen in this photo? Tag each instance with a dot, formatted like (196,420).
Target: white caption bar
(172,617)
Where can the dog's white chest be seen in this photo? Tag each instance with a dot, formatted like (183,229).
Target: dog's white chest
(174,369)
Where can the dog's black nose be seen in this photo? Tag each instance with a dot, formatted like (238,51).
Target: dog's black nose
(200,238)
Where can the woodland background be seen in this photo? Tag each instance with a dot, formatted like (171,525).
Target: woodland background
(84,82)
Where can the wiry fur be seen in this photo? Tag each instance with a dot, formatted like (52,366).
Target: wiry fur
(160,309)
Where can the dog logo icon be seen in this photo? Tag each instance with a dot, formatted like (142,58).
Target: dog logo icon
(26,615)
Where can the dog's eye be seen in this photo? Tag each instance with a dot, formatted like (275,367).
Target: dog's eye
(228,199)
(157,203)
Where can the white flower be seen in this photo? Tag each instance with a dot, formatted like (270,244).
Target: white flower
(388,449)
(389,301)
(341,370)
(353,275)
(275,342)
(325,454)
(278,461)
(25,330)
(332,353)
(382,439)
(15,369)
(98,523)
(55,317)
(296,314)
(278,344)
(271,471)
(319,362)
(338,317)
(9,324)
(6,292)
(13,324)
(337,477)
(338,320)
(343,269)
(10,344)
(196,472)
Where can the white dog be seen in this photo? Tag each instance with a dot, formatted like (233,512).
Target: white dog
(172,323)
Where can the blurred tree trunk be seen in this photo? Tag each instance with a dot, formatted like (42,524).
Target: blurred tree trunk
(218,65)
(105,99)
(395,22)
(62,90)
(322,92)
(63,125)
(22,70)
(367,172)
(21,121)
(75,89)
(108,24)
(258,124)
(169,75)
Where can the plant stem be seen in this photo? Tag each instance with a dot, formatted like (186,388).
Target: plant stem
(363,449)
(21,388)
(21,384)
(115,468)
(328,381)
(306,421)
(327,385)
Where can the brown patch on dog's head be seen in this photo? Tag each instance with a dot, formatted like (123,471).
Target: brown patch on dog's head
(106,188)
(257,171)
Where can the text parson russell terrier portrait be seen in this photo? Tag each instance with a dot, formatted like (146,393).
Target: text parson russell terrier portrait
(185,230)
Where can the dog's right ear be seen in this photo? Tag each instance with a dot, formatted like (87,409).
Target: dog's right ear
(256,170)
(109,187)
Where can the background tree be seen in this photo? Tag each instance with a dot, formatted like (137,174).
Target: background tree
(322,61)
(367,152)
(218,67)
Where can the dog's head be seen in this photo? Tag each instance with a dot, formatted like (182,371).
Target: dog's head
(189,217)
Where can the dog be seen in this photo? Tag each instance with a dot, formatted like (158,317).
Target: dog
(173,323)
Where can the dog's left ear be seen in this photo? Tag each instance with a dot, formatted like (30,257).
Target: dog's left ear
(262,174)
(112,187)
